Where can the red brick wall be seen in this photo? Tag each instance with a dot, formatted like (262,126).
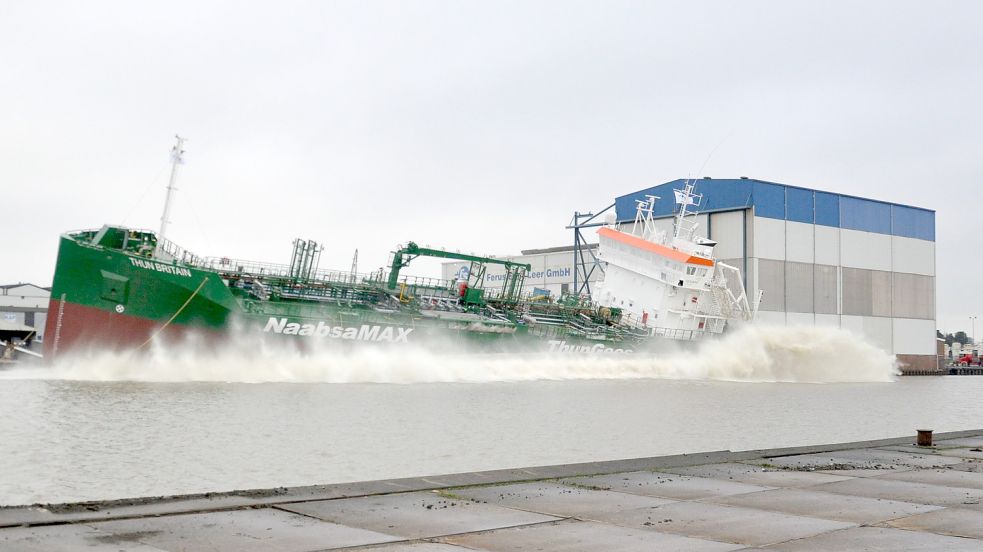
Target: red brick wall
(919,364)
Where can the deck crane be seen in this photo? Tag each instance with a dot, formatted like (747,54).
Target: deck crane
(515,273)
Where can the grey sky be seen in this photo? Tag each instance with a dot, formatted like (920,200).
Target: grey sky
(479,126)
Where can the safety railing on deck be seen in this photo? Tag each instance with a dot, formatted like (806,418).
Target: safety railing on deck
(676,333)
(274,270)
(175,252)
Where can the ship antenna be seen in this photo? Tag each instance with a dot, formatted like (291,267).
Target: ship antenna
(177,158)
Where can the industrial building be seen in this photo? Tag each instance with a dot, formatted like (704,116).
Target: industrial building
(552,270)
(24,305)
(820,258)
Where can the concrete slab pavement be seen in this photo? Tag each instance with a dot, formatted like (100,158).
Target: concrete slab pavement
(877,495)
(664,485)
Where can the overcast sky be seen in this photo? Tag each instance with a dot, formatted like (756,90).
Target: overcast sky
(479,126)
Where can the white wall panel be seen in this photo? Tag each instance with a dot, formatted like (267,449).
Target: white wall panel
(913,256)
(40,319)
(879,332)
(914,337)
(14,317)
(770,318)
(853,324)
(865,250)
(769,238)
(564,258)
(799,241)
(827,246)
(831,320)
(728,230)
(536,276)
(800,319)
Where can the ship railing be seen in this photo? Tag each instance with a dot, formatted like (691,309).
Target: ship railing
(419,286)
(246,268)
(82,235)
(331,295)
(678,333)
(174,252)
(273,270)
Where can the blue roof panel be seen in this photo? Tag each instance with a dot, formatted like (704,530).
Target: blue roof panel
(769,200)
(828,209)
(911,222)
(800,205)
(781,201)
(865,214)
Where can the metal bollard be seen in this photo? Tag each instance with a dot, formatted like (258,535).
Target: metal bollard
(924,437)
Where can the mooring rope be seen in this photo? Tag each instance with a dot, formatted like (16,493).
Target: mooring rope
(168,323)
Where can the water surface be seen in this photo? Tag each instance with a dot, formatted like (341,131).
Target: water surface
(69,440)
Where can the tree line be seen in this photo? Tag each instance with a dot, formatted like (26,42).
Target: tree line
(958,337)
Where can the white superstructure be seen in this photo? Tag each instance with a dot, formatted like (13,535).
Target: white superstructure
(669,283)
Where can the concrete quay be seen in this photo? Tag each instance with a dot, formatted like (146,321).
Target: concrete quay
(874,495)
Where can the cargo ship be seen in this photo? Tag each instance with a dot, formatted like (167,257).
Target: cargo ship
(123,288)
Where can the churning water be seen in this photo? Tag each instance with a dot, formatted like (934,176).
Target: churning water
(185,420)
(752,354)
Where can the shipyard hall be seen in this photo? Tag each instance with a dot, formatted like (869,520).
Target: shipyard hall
(818,258)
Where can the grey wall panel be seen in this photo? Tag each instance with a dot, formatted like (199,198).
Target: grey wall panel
(771,280)
(825,290)
(798,287)
(914,296)
(750,280)
(856,292)
(866,292)
(880,293)
(702,225)
(728,230)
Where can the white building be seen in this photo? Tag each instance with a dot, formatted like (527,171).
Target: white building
(25,304)
(820,258)
(552,270)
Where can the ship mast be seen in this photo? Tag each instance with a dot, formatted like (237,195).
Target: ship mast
(685,219)
(176,159)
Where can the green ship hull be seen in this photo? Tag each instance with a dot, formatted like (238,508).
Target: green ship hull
(120,288)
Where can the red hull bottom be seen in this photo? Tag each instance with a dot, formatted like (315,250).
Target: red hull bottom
(74,327)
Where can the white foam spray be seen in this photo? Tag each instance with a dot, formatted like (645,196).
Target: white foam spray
(757,353)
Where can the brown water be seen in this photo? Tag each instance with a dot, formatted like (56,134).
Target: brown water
(66,440)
